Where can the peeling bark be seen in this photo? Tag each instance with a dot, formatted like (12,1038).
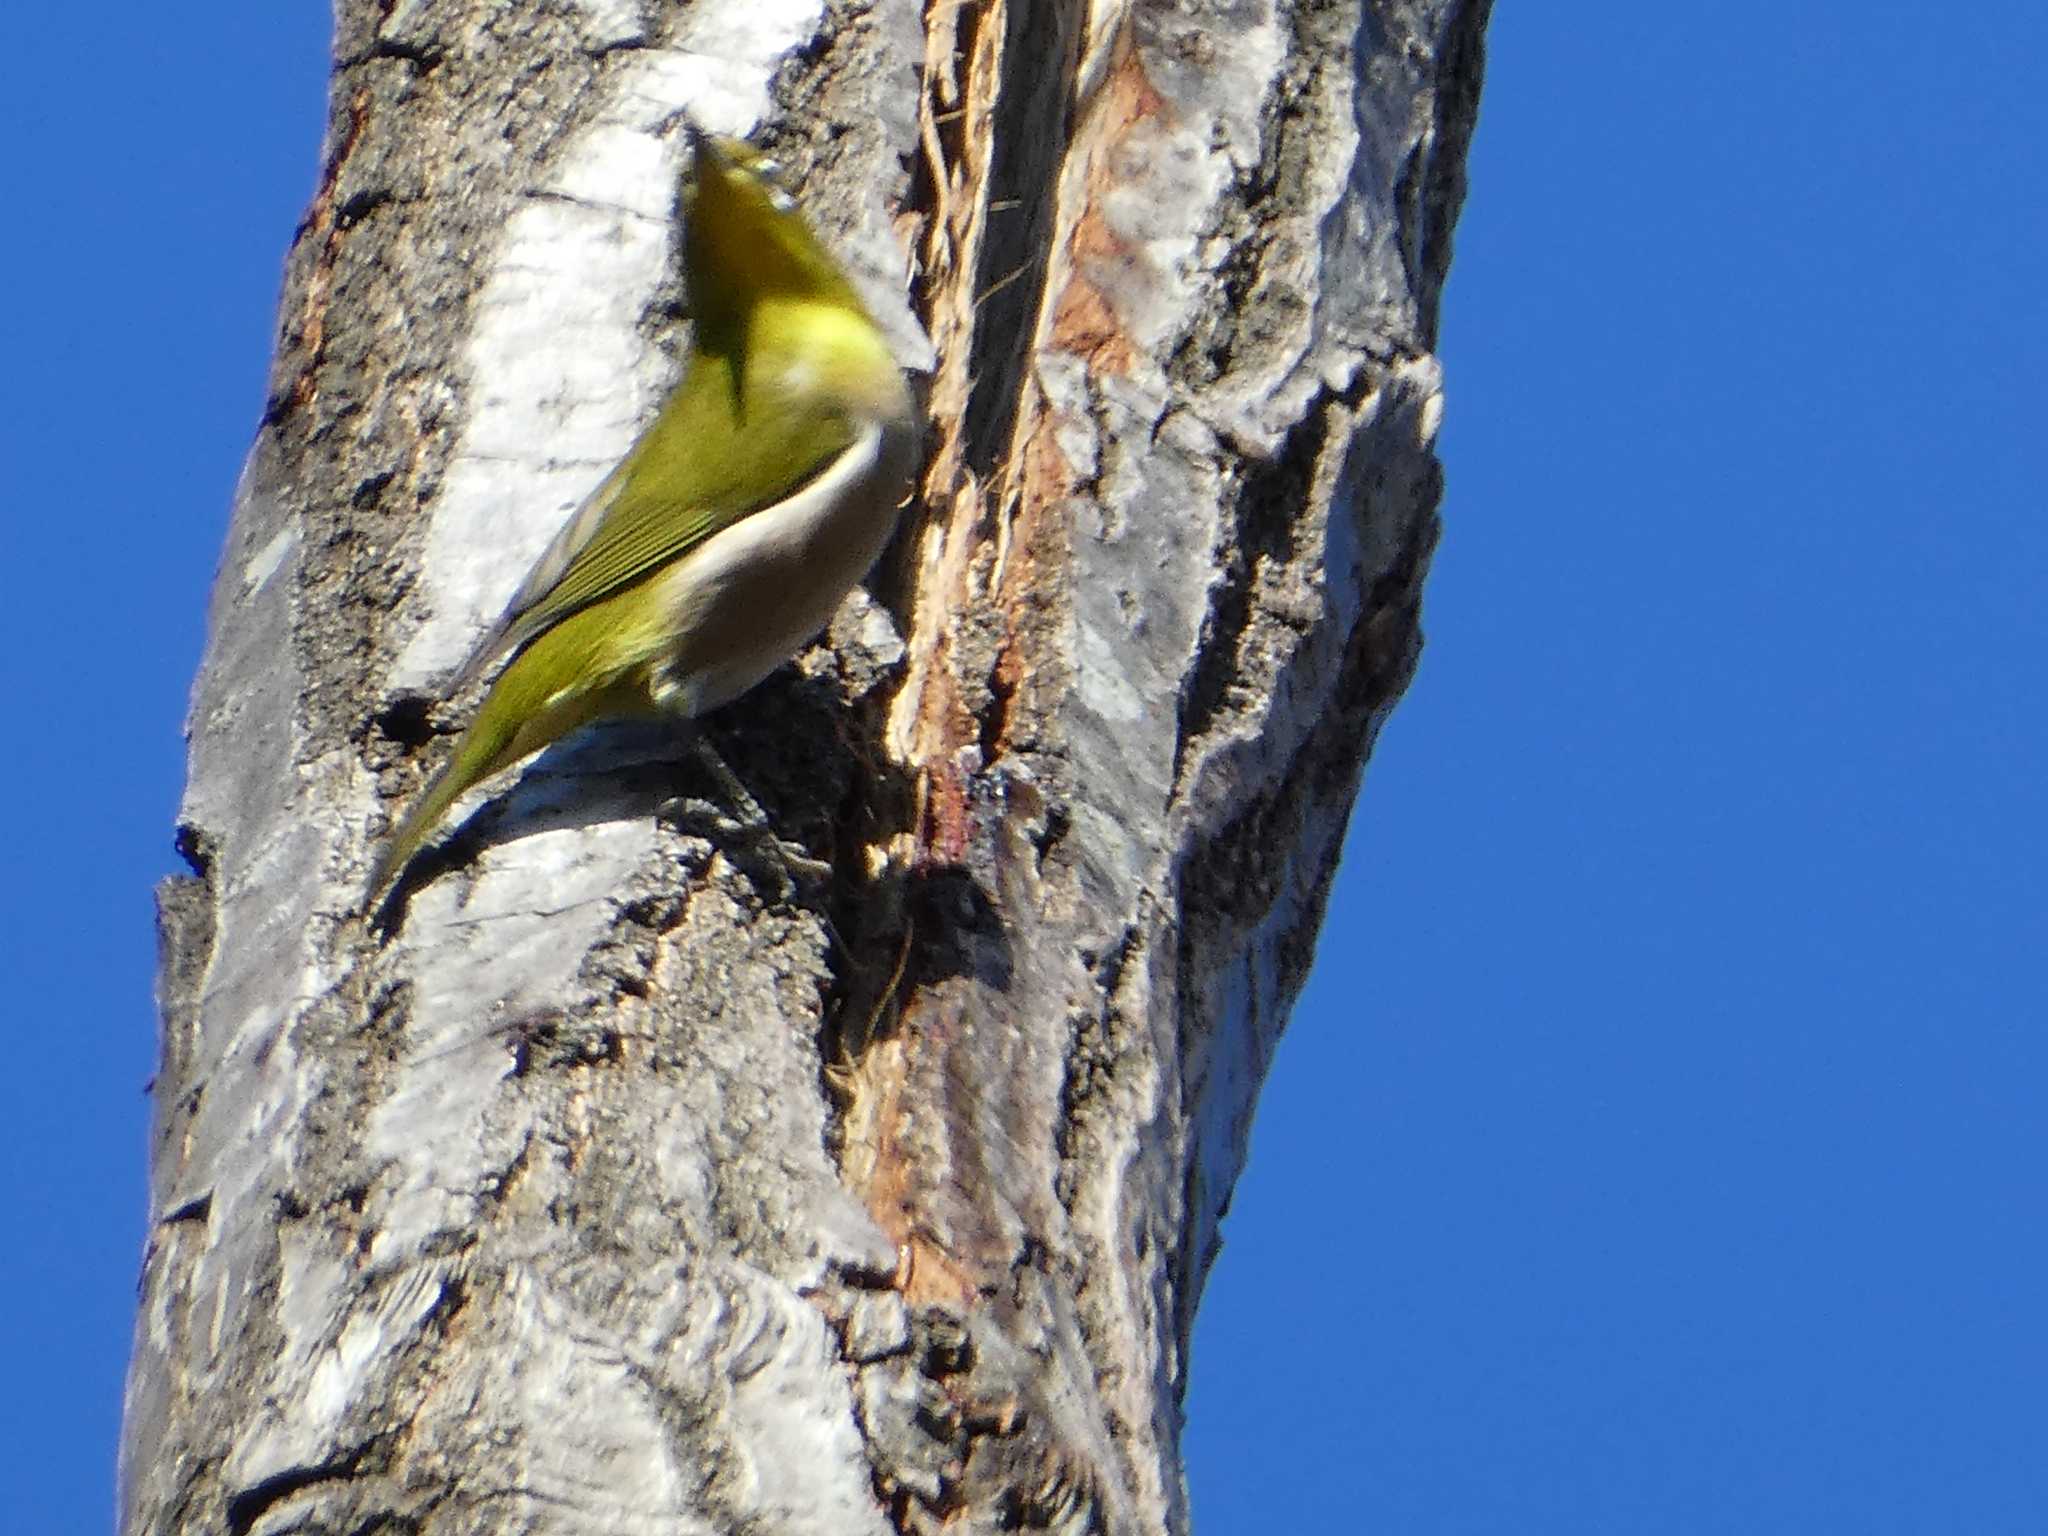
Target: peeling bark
(620,1187)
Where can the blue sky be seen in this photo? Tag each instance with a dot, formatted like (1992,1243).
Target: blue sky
(1659,1145)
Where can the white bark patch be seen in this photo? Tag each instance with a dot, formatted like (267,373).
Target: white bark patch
(267,560)
(613,23)
(481,958)
(587,1427)
(266,965)
(325,1368)
(560,380)
(812,1479)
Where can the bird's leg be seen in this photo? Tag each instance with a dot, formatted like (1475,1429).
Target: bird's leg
(788,859)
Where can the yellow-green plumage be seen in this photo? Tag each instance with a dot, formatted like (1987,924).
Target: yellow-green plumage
(763,489)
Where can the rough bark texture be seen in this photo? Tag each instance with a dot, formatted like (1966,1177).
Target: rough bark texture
(621,1188)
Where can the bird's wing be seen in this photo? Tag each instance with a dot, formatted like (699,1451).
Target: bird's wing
(700,467)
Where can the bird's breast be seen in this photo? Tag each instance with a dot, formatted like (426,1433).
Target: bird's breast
(747,598)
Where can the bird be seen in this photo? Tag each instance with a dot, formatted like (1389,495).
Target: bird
(764,488)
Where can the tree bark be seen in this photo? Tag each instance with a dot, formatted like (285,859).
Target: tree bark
(621,1184)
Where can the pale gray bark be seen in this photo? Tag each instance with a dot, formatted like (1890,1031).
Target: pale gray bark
(621,1188)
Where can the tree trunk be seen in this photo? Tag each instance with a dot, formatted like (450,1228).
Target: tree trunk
(624,1184)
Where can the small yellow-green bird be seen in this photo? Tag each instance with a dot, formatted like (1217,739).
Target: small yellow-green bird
(732,529)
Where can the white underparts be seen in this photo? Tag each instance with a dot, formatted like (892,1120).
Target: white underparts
(746,599)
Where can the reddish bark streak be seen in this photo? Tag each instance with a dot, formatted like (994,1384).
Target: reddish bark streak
(322,227)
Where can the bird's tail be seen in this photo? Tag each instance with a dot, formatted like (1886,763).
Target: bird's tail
(520,715)
(412,830)
(491,743)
